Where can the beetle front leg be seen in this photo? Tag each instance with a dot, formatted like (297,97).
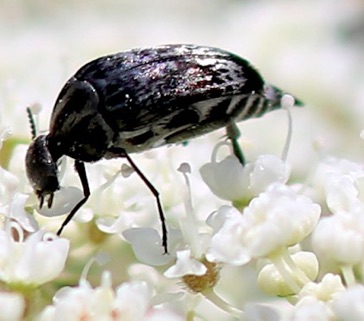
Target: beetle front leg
(81,171)
(233,134)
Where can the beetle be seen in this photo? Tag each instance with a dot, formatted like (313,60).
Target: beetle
(140,99)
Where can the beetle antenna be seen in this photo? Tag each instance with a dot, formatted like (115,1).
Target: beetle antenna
(33,129)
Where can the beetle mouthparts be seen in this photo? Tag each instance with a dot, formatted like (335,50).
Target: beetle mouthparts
(41,199)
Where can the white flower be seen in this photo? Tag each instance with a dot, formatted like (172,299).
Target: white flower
(340,238)
(278,218)
(342,183)
(118,204)
(8,186)
(317,299)
(147,242)
(14,210)
(147,245)
(348,306)
(275,219)
(12,202)
(12,306)
(226,245)
(185,264)
(311,309)
(130,302)
(65,199)
(231,181)
(32,261)
(330,286)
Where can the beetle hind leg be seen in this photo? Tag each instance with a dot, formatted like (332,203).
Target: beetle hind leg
(233,134)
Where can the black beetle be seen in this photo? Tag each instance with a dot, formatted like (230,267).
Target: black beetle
(140,99)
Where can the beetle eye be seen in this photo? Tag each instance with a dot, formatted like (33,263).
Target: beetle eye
(41,170)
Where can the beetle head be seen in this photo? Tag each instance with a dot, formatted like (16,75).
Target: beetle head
(41,170)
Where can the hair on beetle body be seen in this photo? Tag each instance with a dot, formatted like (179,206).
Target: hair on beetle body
(140,99)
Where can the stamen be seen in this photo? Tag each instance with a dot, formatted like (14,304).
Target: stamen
(188,224)
(216,150)
(287,102)
(201,283)
(100,258)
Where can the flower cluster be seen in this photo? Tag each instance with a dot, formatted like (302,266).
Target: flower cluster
(268,241)
(130,301)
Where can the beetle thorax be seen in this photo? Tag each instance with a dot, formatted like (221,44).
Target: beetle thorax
(78,128)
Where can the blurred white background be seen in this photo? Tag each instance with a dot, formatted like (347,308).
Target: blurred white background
(311,48)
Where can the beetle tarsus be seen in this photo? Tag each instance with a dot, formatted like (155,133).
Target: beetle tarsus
(233,134)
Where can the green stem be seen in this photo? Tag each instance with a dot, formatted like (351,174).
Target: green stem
(348,274)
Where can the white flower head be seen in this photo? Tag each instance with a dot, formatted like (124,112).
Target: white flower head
(330,287)
(340,238)
(131,301)
(342,184)
(32,261)
(278,218)
(275,219)
(226,244)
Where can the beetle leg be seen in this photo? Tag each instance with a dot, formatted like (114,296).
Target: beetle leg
(50,200)
(41,200)
(233,134)
(156,195)
(81,171)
